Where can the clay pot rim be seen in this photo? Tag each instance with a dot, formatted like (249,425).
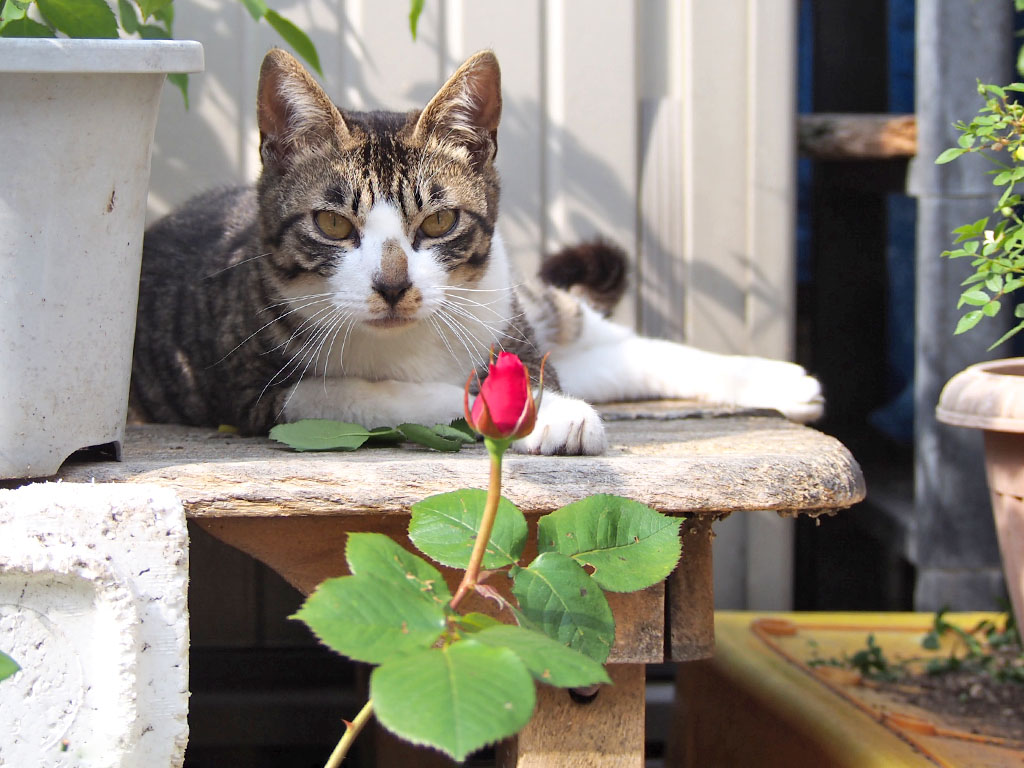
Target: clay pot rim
(988,395)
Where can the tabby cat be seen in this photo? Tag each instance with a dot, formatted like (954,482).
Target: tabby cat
(364,277)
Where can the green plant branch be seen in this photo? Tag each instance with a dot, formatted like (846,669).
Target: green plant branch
(483,537)
(351,732)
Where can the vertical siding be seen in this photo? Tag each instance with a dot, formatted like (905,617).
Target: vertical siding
(664,125)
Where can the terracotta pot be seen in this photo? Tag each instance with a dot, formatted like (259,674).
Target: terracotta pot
(990,396)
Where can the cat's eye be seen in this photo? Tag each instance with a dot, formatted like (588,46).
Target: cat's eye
(332,225)
(439,223)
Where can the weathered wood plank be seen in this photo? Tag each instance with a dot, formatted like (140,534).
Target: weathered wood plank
(690,465)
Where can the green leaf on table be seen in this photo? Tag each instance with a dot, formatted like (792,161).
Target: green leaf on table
(629,545)
(80,18)
(8,666)
(421,435)
(453,433)
(382,436)
(457,699)
(296,38)
(561,599)
(548,660)
(320,435)
(372,617)
(25,27)
(444,527)
(377,554)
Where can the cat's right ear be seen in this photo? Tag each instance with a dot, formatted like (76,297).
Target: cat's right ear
(293,112)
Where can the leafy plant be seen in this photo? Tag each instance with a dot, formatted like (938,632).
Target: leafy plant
(994,244)
(990,648)
(145,19)
(8,666)
(975,648)
(458,681)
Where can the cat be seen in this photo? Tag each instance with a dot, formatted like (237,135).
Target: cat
(364,277)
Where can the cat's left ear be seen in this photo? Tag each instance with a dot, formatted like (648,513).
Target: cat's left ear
(467,109)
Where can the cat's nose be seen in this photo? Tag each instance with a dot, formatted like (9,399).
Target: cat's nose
(392,292)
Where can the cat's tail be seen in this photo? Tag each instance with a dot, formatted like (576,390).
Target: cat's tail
(595,270)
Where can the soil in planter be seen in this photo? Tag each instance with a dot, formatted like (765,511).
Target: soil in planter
(979,687)
(979,703)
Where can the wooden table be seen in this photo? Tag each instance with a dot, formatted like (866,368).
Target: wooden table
(292,511)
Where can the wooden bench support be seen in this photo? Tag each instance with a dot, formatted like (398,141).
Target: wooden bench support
(605,732)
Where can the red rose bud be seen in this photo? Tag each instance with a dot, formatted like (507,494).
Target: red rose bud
(505,408)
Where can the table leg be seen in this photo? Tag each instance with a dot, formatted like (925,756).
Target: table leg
(691,596)
(605,732)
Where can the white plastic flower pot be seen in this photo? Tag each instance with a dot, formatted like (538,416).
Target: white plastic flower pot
(76,130)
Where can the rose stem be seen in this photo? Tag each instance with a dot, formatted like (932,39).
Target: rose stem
(483,536)
(351,731)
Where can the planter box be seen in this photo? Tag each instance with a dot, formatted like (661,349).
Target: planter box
(76,124)
(759,702)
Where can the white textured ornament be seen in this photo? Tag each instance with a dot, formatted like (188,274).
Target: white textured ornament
(93,587)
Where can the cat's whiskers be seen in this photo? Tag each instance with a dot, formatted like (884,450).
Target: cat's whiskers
(463,332)
(456,330)
(496,329)
(237,264)
(293,299)
(313,321)
(345,317)
(273,320)
(330,332)
(310,347)
(444,340)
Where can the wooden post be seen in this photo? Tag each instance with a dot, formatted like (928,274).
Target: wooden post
(604,732)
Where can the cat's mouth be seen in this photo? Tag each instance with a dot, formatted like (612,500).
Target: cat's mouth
(390,321)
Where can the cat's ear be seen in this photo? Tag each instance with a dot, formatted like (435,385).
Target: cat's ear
(293,111)
(467,108)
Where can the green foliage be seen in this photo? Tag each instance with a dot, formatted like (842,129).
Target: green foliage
(457,698)
(327,435)
(8,666)
(460,681)
(547,660)
(444,527)
(628,544)
(561,598)
(381,611)
(990,648)
(96,19)
(415,9)
(994,244)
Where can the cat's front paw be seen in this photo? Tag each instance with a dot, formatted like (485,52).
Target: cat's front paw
(564,425)
(785,387)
